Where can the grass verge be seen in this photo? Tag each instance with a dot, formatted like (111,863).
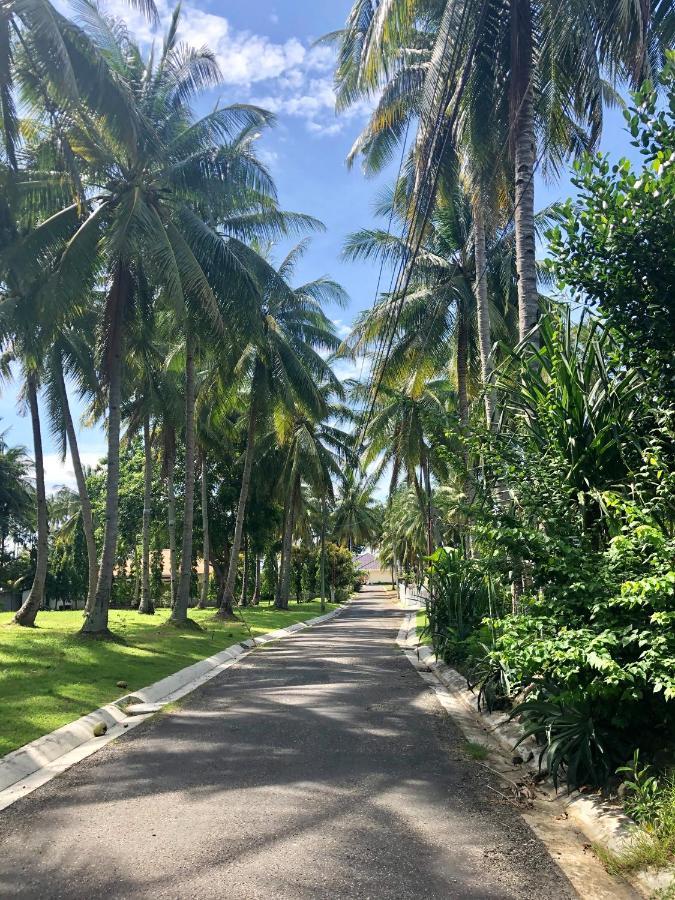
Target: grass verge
(476,750)
(652,845)
(421,621)
(49,676)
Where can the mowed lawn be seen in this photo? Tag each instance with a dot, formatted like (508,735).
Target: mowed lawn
(50,676)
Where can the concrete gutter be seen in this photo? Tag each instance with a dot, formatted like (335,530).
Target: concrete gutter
(32,765)
(601,822)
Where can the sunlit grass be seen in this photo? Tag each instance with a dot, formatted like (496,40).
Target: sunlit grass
(421,621)
(653,842)
(50,676)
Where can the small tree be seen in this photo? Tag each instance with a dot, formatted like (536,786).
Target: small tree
(270,576)
(310,580)
(615,244)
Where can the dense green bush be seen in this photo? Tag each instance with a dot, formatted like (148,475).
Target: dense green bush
(342,574)
(463,593)
(588,524)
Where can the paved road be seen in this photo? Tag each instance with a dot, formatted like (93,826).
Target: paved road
(320,767)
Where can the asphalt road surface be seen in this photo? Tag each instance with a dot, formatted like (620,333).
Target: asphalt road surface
(319,767)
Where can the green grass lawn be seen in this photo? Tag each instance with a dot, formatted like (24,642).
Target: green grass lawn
(421,623)
(49,676)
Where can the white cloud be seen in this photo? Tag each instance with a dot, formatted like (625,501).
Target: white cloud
(59,473)
(292,77)
(342,328)
(357,369)
(269,158)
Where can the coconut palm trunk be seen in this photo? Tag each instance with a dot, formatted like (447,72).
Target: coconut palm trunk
(171,520)
(483,312)
(204,598)
(30,607)
(227,599)
(96,618)
(85,502)
(255,599)
(146,605)
(136,574)
(243,600)
(323,553)
(463,400)
(524,158)
(463,364)
(429,499)
(284,586)
(179,613)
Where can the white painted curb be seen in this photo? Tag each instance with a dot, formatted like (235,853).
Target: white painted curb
(32,765)
(599,821)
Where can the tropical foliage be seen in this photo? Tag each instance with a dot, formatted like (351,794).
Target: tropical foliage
(139,275)
(522,412)
(510,445)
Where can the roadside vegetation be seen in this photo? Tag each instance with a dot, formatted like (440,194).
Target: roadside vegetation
(650,800)
(515,415)
(523,410)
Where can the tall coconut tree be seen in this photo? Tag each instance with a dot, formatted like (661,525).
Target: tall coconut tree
(438,322)
(534,68)
(17,501)
(71,358)
(150,189)
(356,520)
(27,324)
(281,365)
(145,352)
(39,45)
(315,455)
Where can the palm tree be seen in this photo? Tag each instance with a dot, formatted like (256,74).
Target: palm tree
(281,366)
(438,323)
(17,499)
(206,553)
(25,329)
(145,221)
(28,323)
(168,423)
(71,355)
(315,452)
(248,213)
(27,614)
(43,50)
(146,347)
(530,87)
(356,519)
(404,539)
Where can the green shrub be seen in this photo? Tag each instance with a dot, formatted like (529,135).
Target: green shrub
(650,800)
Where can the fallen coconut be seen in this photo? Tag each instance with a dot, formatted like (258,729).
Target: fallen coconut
(100,729)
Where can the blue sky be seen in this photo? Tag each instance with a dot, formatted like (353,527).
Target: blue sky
(267,55)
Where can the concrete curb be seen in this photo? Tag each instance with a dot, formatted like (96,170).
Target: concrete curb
(600,821)
(32,765)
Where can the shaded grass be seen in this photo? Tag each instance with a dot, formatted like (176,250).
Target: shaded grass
(476,750)
(50,676)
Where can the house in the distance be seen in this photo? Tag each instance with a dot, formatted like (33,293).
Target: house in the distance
(370,563)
